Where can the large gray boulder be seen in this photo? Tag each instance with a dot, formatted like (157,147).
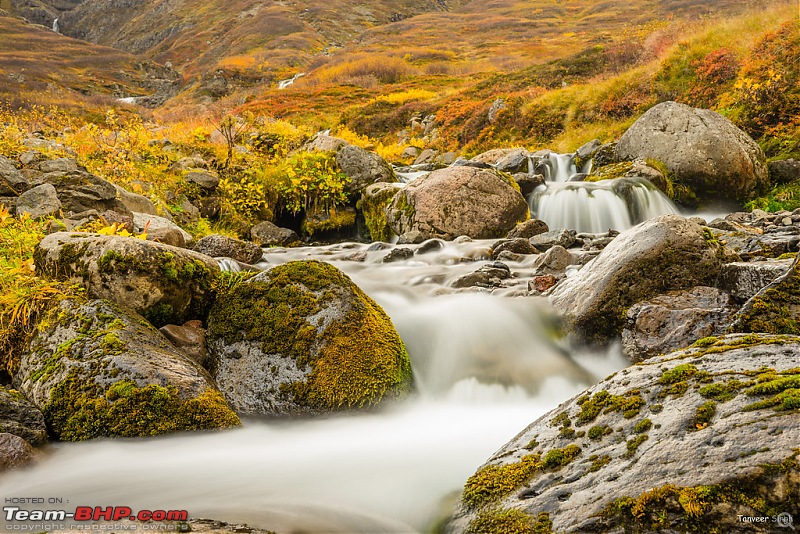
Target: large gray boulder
(39,202)
(700,147)
(301,338)
(98,369)
(677,443)
(659,255)
(674,321)
(456,201)
(20,417)
(267,234)
(78,190)
(165,284)
(363,168)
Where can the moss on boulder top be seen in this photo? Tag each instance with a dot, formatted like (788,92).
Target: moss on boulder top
(165,284)
(302,338)
(97,369)
(681,443)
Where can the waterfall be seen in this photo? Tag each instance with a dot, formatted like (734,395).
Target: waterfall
(283,84)
(55,26)
(596,207)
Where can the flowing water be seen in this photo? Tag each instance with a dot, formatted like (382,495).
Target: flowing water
(486,365)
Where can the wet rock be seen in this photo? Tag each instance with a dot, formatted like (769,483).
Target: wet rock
(266,234)
(98,369)
(528,182)
(39,203)
(165,284)
(543,283)
(189,339)
(488,276)
(301,338)
(217,245)
(656,440)
(360,256)
(14,452)
(563,238)
(665,253)
(528,229)
(374,205)
(514,161)
(744,279)
(398,254)
(700,148)
(517,246)
(20,417)
(675,320)
(554,261)
(458,201)
(431,245)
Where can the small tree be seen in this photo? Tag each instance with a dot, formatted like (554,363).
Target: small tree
(232,129)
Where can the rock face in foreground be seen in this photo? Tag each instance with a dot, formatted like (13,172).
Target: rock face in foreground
(679,443)
(775,309)
(700,147)
(165,284)
(21,418)
(301,338)
(659,255)
(98,370)
(456,201)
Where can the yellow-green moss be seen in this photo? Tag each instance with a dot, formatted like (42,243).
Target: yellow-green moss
(629,403)
(643,426)
(704,414)
(610,172)
(80,409)
(509,521)
(776,310)
(374,209)
(784,388)
(356,361)
(335,221)
(599,462)
(599,431)
(633,445)
(493,482)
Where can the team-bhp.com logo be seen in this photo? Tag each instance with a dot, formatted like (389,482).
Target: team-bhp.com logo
(97,513)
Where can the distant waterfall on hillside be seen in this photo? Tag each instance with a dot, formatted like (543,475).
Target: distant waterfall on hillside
(55,26)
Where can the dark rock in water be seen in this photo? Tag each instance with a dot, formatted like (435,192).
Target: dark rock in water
(217,246)
(39,203)
(431,245)
(301,338)
(458,201)
(517,246)
(640,169)
(528,229)
(784,171)
(189,340)
(20,417)
(744,279)
(665,253)
(514,162)
(675,320)
(98,369)
(398,254)
(360,256)
(775,309)
(374,205)
(488,276)
(12,182)
(563,238)
(528,182)
(165,284)
(700,147)
(605,155)
(662,441)
(14,451)
(267,234)
(379,245)
(204,179)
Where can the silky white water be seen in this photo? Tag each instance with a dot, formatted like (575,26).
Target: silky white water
(485,367)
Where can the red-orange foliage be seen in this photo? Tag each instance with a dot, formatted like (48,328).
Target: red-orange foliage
(714,74)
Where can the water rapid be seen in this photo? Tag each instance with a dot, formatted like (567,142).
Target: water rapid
(485,366)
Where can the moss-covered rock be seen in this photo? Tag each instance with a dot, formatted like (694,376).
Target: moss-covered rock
(165,284)
(302,338)
(374,205)
(479,203)
(687,459)
(97,369)
(336,223)
(775,309)
(663,254)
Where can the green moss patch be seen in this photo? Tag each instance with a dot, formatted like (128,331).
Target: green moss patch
(79,409)
(509,521)
(629,403)
(774,311)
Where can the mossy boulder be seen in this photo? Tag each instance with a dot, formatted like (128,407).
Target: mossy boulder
(165,284)
(455,201)
(682,443)
(775,309)
(301,338)
(97,369)
(374,205)
(700,148)
(20,417)
(338,223)
(663,254)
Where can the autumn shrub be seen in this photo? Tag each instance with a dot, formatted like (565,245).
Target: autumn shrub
(383,69)
(714,74)
(311,182)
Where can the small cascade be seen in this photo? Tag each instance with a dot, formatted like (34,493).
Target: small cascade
(596,207)
(55,26)
(283,84)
